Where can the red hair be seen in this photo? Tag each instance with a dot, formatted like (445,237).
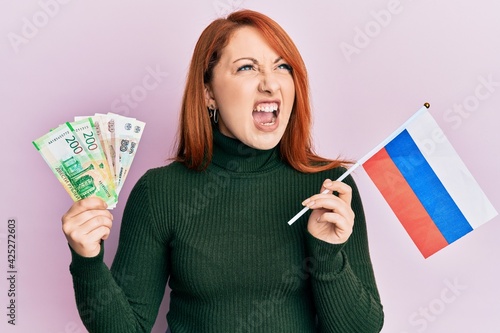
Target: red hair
(194,145)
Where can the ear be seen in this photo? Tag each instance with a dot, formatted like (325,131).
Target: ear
(209,97)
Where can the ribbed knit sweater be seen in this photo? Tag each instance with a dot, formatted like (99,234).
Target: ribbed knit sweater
(220,238)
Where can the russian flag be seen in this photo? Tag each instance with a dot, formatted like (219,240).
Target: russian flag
(427,185)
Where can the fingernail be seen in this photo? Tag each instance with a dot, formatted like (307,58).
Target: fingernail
(328,183)
(304,203)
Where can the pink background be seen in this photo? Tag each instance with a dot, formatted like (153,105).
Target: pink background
(83,56)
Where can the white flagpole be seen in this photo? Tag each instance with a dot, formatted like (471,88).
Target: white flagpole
(367,156)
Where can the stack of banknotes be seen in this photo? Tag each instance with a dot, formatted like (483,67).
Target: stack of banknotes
(91,156)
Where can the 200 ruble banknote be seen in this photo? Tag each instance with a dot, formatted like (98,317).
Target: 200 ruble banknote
(74,167)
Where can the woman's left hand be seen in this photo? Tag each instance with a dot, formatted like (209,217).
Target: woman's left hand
(332,218)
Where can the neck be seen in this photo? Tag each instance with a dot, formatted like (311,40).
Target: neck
(235,156)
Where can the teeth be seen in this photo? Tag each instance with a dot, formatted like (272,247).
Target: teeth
(269,124)
(267,107)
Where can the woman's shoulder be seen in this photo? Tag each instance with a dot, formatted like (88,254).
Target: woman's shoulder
(332,173)
(337,172)
(172,173)
(171,170)
(171,167)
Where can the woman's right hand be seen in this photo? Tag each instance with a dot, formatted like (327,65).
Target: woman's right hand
(85,224)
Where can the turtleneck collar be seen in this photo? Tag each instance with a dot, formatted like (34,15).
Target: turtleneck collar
(234,156)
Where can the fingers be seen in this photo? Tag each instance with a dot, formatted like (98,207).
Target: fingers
(329,202)
(333,218)
(87,214)
(340,204)
(341,223)
(83,205)
(331,227)
(85,224)
(344,191)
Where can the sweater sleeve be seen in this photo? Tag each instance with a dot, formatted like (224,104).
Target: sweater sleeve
(343,282)
(126,297)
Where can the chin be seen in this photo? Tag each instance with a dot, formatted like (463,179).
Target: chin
(265,146)
(265,141)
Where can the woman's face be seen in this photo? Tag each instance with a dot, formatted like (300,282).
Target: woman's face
(253,90)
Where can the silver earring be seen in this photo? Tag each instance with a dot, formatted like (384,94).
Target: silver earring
(212,113)
(216,116)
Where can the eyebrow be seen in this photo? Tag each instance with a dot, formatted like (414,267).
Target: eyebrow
(255,61)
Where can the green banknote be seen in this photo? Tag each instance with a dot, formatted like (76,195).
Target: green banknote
(102,133)
(86,132)
(72,162)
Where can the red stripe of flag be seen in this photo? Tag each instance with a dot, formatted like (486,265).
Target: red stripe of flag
(405,204)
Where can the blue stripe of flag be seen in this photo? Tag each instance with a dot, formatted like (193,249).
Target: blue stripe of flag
(427,187)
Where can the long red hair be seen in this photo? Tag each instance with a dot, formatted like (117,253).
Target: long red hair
(194,143)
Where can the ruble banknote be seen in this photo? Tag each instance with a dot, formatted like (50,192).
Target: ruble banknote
(79,174)
(85,157)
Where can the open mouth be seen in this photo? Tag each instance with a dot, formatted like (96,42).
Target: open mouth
(266,114)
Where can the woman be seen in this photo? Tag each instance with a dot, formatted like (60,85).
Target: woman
(213,222)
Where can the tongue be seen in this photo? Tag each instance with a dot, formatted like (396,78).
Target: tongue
(263,117)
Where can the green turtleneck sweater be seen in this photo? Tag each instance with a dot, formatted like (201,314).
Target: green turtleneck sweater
(221,239)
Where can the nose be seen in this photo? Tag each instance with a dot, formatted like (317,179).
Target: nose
(268,83)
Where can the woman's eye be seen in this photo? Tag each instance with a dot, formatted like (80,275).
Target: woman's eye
(245,68)
(285,67)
